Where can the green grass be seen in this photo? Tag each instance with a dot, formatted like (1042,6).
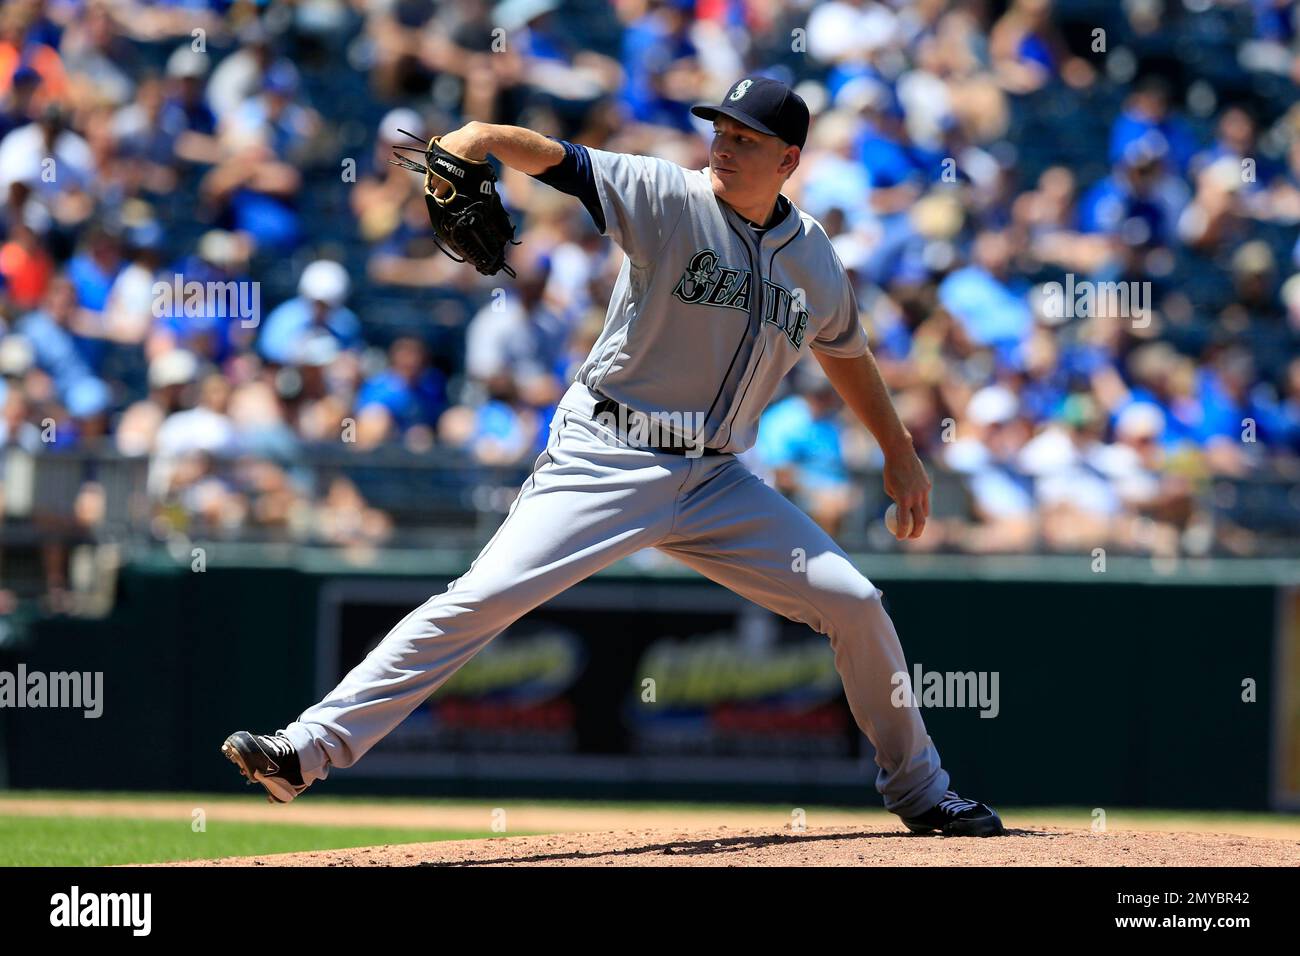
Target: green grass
(94,841)
(105,841)
(208,799)
(195,799)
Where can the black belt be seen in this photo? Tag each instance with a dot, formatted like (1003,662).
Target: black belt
(609,406)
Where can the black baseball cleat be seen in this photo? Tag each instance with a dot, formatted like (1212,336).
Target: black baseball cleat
(268,759)
(957,816)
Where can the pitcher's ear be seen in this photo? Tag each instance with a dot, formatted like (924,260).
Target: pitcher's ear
(798,153)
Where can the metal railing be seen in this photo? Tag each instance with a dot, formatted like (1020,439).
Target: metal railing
(445,498)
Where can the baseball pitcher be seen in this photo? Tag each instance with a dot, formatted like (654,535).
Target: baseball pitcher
(725,285)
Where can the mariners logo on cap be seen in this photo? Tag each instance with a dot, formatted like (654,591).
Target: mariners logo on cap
(741,89)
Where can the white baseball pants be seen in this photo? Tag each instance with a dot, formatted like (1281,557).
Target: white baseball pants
(592,500)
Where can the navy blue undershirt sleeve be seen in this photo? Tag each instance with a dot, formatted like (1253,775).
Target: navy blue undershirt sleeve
(573,175)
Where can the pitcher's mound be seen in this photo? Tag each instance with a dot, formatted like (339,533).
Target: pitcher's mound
(816,846)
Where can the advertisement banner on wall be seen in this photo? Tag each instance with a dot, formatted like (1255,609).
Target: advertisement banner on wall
(617,682)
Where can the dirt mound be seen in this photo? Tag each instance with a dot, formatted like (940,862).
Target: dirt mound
(815,846)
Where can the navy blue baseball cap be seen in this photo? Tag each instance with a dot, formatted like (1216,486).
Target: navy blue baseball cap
(766,105)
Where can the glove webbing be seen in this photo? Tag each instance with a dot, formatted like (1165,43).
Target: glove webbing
(464,222)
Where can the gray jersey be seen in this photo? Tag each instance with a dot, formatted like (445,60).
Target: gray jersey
(705,321)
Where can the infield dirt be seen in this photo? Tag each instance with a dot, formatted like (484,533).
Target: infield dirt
(824,846)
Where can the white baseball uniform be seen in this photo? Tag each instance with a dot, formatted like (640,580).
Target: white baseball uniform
(706,318)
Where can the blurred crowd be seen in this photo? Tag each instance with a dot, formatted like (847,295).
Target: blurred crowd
(964,156)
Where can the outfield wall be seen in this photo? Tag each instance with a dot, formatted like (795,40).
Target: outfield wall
(1130,687)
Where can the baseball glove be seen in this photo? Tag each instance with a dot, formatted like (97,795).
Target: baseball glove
(469,219)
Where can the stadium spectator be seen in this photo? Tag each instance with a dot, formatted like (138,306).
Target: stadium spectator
(188,443)
(1077,501)
(850,36)
(345,519)
(1028,51)
(661,62)
(569,79)
(25,46)
(1002,494)
(17,430)
(94,54)
(1140,202)
(28,155)
(204,427)
(1135,464)
(519,335)
(147,132)
(384,188)
(128,312)
(800,446)
(95,266)
(403,402)
(55,346)
(411,44)
(186,108)
(254,192)
(25,266)
(322,290)
(502,429)
(211,328)
(18,104)
(1147,117)
(274,117)
(170,374)
(991,311)
(239,76)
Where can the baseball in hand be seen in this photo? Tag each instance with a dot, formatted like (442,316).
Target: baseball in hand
(891,521)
